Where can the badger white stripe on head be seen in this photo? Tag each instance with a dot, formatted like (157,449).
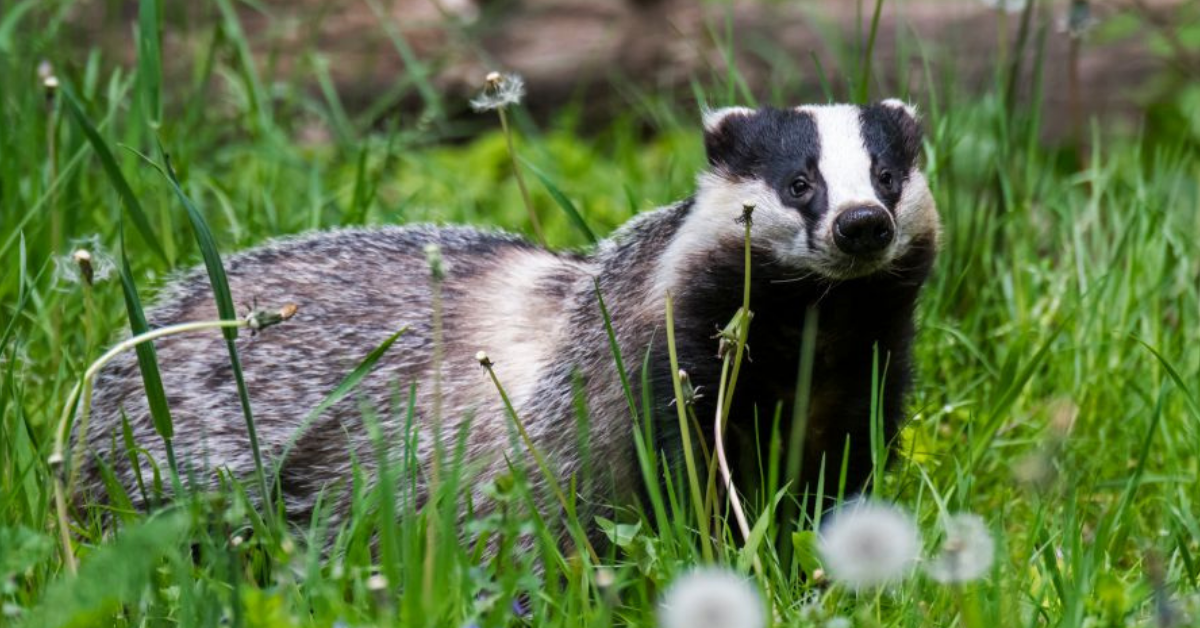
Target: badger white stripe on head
(845,163)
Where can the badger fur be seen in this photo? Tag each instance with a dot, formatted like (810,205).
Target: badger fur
(843,222)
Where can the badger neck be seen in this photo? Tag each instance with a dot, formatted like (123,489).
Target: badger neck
(863,324)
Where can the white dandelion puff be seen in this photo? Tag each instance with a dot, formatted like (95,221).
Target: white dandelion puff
(711,598)
(87,263)
(499,92)
(966,554)
(868,544)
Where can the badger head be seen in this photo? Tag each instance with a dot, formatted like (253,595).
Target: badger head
(836,189)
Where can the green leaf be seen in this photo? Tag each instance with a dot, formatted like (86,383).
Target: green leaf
(113,171)
(804,544)
(758,532)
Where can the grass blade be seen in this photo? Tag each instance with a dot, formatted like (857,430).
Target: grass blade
(150,59)
(337,394)
(226,311)
(864,80)
(156,396)
(565,203)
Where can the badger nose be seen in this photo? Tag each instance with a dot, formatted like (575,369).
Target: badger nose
(863,231)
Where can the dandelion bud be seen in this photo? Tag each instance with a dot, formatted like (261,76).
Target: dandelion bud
(605,578)
(747,213)
(483,359)
(377,582)
(46,76)
(433,257)
(83,259)
(261,319)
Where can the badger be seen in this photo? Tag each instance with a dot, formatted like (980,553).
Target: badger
(843,225)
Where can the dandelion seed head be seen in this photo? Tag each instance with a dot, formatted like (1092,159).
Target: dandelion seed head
(711,598)
(966,554)
(868,544)
(87,263)
(500,91)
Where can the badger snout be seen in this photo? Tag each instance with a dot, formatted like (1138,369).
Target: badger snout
(863,231)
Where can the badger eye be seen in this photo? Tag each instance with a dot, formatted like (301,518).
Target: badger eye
(886,179)
(799,187)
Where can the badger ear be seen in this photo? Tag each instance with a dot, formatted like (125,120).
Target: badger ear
(901,121)
(910,109)
(714,118)
(721,136)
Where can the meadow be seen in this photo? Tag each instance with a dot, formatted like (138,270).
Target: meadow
(1057,396)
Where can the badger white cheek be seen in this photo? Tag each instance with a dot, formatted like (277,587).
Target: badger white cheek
(916,213)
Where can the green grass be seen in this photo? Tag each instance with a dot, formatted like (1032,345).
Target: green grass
(1060,327)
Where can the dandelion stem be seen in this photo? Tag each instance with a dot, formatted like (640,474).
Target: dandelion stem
(434,259)
(728,383)
(81,396)
(512,156)
(684,433)
(538,458)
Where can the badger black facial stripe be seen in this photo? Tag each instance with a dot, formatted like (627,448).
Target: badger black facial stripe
(892,137)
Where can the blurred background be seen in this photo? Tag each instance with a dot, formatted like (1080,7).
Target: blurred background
(1118,59)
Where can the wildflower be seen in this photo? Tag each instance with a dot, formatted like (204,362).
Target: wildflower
(1006,6)
(499,92)
(87,263)
(711,598)
(867,544)
(967,552)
